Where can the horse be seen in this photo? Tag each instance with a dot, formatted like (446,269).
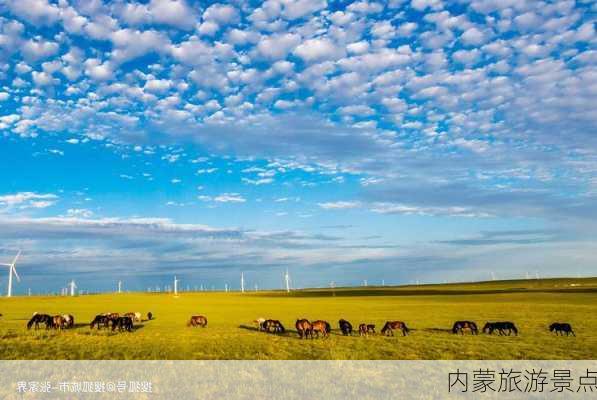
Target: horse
(390,326)
(322,327)
(58,322)
(69,320)
(366,329)
(501,327)
(260,321)
(135,316)
(37,319)
(197,320)
(100,320)
(560,328)
(304,328)
(273,326)
(460,326)
(123,323)
(345,327)
(149,316)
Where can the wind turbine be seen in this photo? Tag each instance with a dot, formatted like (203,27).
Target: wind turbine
(287,281)
(12,270)
(119,286)
(175,286)
(242,282)
(72,286)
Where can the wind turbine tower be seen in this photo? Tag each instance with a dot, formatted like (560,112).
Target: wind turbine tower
(12,271)
(119,286)
(175,286)
(287,281)
(72,286)
(242,282)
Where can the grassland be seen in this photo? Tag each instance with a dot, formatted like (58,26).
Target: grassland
(429,310)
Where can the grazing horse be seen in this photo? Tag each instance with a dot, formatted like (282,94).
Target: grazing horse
(322,327)
(460,326)
(135,316)
(304,328)
(561,328)
(345,327)
(58,322)
(260,321)
(197,320)
(390,326)
(149,316)
(501,327)
(99,321)
(69,320)
(40,319)
(366,329)
(273,326)
(123,323)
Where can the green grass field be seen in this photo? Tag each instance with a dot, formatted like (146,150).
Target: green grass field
(429,311)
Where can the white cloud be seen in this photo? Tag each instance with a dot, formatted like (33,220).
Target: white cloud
(34,50)
(37,12)
(339,205)
(277,46)
(313,50)
(175,13)
(26,200)
(221,14)
(229,198)
(473,36)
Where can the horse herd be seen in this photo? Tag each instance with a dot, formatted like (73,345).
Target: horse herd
(307,329)
(107,320)
(304,328)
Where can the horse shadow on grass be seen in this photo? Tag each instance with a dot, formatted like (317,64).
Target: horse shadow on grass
(287,333)
(436,330)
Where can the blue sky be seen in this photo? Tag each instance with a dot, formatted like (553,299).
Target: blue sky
(401,140)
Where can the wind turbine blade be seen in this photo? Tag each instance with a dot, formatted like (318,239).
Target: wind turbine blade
(14,270)
(6,265)
(16,257)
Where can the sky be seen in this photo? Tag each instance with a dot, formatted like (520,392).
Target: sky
(394,141)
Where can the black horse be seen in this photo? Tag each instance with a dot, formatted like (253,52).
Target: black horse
(123,324)
(273,326)
(501,328)
(149,316)
(40,319)
(561,328)
(99,321)
(345,327)
(460,326)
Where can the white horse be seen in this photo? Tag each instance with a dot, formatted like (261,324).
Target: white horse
(259,322)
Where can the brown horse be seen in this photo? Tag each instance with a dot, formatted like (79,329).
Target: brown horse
(304,328)
(460,326)
(390,326)
(322,327)
(58,322)
(197,320)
